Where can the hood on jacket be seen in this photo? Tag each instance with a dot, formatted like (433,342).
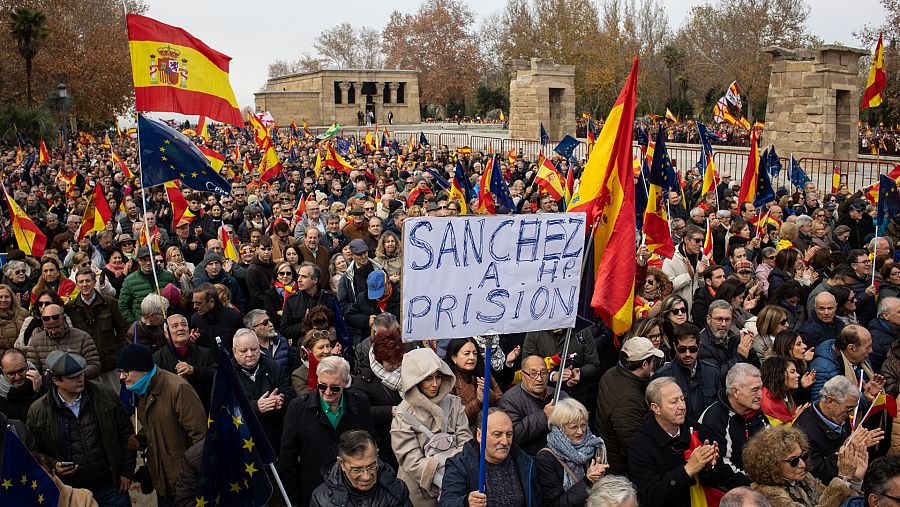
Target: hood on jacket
(417,365)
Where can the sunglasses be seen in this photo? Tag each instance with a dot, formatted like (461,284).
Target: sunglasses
(745,272)
(793,462)
(325,387)
(285,273)
(48,318)
(263,322)
(693,349)
(784,322)
(19,272)
(679,311)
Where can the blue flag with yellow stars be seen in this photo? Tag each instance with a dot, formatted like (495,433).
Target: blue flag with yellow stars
(545,138)
(499,187)
(23,482)
(566,147)
(236,451)
(888,202)
(798,178)
(167,155)
(764,191)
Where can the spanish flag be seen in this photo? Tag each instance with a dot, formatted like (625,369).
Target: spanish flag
(701,496)
(43,154)
(751,172)
(459,189)
(335,161)
(835,180)
(228,244)
(485,197)
(216,159)
(885,402)
(549,179)
(306,131)
(370,141)
(177,200)
(606,194)
(671,116)
(708,241)
(29,238)
(176,72)
(269,165)
(122,165)
(301,208)
(203,129)
(96,214)
(877,82)
(317,168)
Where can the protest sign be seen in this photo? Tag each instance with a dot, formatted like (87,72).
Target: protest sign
(475,275)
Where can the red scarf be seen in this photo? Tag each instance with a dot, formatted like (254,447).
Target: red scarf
(312,378)
(383,300)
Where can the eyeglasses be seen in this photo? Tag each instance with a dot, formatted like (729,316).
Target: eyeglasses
(720,320)
(360,471)
(745,272)
(535,374)
(654,337)
(693,349)
(325,387)
(784,322)
(15,373)
(694,240)
(368,208)
(48,318)
(771,258)
(285,273)
(864,261)
(793,462)
(679,311)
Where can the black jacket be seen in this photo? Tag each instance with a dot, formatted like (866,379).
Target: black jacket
(700,390)
(309,441)
(824,443)
(731,430)
(389,491)
(358,313)
(461,476)
(266,378)
(381,400)
(550,477)
(656,466)
(18,399)
(700,305)
(883,335)
(295,309)
(221,321)
(858,229)
(259,279)
(814,331)
(724,356)
(104,322)
(201,358)
(546,344)
(621,409)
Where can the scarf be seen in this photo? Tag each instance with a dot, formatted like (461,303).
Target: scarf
(115,270)
(802,492)
(383,300)
(651,295)
(576,456)
(141,387)
(390,379)
(285,290)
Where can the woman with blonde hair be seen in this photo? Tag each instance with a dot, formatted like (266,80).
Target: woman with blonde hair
(183,270)
(389,254)
(770,321)
(12,315)
(776,461)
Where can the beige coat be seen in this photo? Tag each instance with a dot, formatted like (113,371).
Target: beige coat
(73,497)
(831,496)
(10,325)
(417,471)
(685,279)
(172,419)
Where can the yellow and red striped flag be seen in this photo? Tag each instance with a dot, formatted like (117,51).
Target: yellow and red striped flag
(29,237)
(228,245)
(106,144)
(216,159)
(671,116)
(708,241)
(203,129)
(335,161)
(178,202)
(176,72)
(877,82)
(122,165)
(751,173)
(301,208)
(549,179)
(835,180)
(96,214)
(606,194)
(43,154)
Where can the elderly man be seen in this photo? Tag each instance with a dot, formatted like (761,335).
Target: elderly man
(698,379)
(721,347)
(822,325)
(171,417)
(57,335)
(213,319)
(582,374)
(510,476)
(528,404)
(312,251)
(736,415)
(361,475)
(685,268)
(333,239)
(882,481)
(353,285)
(358,224)
(827,426)
(847,355)
(263,381)
(312,218)
(885,329)
(308,295)
(99,316)
(149,329)
(20,385)
(621,406)
(213,273)
(271,344)
(183,357)
(139,284)
(612,491)
(656,461)
(83,427)
(313,423)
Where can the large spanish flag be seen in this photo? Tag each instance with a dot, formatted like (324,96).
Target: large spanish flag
(873,94)
(216,159)
(29,238)
(606,194)
(751,172)
(96,214)
(176,72)
(335,161)
(549,179)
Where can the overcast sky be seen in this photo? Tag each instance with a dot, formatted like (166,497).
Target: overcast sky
(256,33)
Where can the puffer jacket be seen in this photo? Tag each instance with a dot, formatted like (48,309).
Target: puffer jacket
(10,325)
(74,340)
(883,335)
(335,492)
(730,430)
(136,287)
(829,363)
(890,369)
(417,471)
(104,322)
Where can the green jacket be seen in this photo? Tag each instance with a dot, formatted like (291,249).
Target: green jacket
(115,427)
(136,287)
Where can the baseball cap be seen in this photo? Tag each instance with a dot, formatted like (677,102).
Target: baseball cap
(358,246)
(61,363)
(640,348)
(376,283)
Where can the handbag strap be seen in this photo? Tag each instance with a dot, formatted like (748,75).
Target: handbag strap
(561,462)
(417,424)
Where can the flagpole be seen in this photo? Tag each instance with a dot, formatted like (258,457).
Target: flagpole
(144,203)
(486,396)
(277,477)
(856,410)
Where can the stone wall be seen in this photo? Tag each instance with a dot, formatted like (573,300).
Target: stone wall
(542,92)
(813,102)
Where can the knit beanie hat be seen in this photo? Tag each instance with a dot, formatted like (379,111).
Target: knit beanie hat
(135,357)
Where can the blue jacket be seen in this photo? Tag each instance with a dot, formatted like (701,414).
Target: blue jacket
(462,470)
(828,363)
(814,331)
(883,335)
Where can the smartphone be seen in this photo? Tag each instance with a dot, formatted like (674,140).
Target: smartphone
(66,464)
(600,455)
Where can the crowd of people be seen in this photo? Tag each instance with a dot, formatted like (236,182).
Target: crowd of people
(757,368)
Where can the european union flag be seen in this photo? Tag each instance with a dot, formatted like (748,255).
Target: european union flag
(796,174)
(293,156)
(641,137)
(167,155)
(764,191)
(707,151)
(641,197)
(23,482)
(440,180)
(773,165)
(566,147)
(499,187)
(545,138)
(661,171)
(888,200)
(423,141)
(236,450)
(342,146)
(460,176)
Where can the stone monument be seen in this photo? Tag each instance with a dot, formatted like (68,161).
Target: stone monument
(542,92)
(813,103)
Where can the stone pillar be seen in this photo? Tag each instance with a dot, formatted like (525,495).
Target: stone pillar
(393,93)
(345,92)
(542,92)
